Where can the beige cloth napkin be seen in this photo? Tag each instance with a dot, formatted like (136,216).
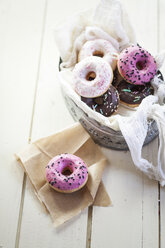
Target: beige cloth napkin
(74,140)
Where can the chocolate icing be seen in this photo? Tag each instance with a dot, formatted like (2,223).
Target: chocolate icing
(133,94)
(106,104)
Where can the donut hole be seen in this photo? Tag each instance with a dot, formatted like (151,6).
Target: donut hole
(140,65)
(98,54)
(91,76)
(67,171)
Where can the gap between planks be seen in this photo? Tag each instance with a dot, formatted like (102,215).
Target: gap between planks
(31,124)
(159,218)
(142,209)
(89,227)
(20,211)
(38,68)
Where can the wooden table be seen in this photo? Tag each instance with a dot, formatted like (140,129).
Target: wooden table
(31,106)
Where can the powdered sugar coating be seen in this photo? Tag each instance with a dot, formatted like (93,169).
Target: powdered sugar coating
(101,47)
(99,84)
(66,183)
(136,65)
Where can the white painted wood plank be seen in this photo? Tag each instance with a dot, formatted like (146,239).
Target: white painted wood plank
(134,207)
(143,16)
(133,219)
(20,30)
(118,226)
(150,206)
(161,39)
(37,225)
(51,115)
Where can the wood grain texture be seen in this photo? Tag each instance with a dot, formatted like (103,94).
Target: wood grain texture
(20,28)
(133,220)
(134,214)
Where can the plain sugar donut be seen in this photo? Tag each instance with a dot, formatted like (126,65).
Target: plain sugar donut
(92,77)
(136,65)
(66,173)
(101,48)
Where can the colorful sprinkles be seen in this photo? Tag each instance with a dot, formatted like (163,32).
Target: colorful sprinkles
(133,94)
(131,80)
(106,104)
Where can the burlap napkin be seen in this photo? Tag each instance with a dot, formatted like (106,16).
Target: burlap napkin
(74,140)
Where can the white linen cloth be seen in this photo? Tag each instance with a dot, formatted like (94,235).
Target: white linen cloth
(109,21)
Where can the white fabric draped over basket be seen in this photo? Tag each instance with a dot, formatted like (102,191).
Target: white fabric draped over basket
(109,21)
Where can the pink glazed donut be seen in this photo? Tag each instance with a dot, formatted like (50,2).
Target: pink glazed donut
(136,65)
(92,77)
(101,48)
(66,173)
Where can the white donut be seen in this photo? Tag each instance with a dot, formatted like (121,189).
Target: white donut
(92,77)
(101,48)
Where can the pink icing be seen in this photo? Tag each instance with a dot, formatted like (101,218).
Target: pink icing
(100,84)
(66,183)
(136,65)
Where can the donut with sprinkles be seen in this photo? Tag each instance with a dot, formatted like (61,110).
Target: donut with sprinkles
(131,94)
(66,173)
(107,104)
(92,77)
(101,48)
(136,65)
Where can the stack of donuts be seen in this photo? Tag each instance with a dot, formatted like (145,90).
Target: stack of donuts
(103,77)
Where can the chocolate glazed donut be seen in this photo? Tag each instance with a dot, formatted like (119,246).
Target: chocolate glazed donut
(106,104)
(132,95)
